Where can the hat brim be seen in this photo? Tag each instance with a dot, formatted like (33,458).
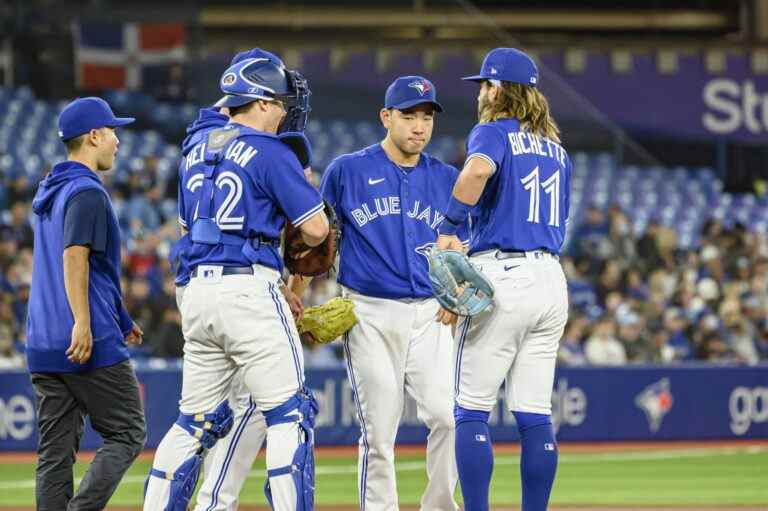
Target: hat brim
(405,105)
(232,101)
(475,78)
(121,121)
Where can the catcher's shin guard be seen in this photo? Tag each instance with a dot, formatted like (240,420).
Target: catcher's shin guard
(300,409)
(207,429)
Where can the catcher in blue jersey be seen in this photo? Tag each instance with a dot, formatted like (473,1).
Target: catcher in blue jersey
(515,184)
(389,199)
(240,184)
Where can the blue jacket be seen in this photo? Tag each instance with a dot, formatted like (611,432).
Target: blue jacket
(50,320)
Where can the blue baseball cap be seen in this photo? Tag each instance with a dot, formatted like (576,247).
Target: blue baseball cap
(408,91)
(507,65)
(85,114)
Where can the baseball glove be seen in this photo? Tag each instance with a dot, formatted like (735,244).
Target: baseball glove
(457,283)
(301,259)
(327,322)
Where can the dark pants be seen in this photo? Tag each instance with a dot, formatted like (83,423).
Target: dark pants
(109,396)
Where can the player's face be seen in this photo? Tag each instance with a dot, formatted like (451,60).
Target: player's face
(410,130)
(486,96)
(275,114)
(107,148)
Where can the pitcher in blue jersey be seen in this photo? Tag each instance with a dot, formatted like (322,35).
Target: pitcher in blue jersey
(390,198)
(240,184)
(515,183)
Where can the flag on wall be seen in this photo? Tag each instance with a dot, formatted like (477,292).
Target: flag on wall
(124,55)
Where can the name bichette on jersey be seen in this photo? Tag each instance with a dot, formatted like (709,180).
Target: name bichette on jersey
(239,152)
(529,143)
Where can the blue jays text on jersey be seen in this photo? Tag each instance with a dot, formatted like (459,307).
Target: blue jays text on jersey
(525,202)
(389,217)
(257,185)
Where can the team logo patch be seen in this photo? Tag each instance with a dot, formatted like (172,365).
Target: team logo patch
(656,401)
(494,71)
(425,249)
(228,79)
(422,86)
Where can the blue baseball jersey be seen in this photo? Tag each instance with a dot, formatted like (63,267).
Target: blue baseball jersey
(389,217)
(258,184)
(525,202)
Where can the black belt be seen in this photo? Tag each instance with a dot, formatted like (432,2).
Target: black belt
(231,270)
(514,254)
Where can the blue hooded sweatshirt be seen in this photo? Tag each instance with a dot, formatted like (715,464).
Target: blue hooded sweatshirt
(207,120)
(50,320)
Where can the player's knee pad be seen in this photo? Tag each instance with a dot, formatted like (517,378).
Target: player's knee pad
(461,414)
(207,429)
(183,482)
(526,420)
(300,409)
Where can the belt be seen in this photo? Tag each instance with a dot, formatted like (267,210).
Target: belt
(514,254)
(231,270)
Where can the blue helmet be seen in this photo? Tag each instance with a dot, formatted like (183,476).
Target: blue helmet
(252,79)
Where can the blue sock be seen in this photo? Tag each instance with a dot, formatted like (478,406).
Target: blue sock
(538,459)
(474,457)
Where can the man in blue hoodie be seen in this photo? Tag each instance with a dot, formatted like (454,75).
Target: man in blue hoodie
(77,326)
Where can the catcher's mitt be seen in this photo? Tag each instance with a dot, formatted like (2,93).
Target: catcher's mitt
(324,323)
(301,259)
(457,283)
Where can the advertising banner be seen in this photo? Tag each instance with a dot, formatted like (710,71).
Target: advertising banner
(589,404)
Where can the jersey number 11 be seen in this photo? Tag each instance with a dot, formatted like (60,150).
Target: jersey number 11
(551,187)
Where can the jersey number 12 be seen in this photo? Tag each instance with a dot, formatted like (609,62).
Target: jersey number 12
(532,183)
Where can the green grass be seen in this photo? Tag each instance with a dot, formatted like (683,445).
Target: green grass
(693,477)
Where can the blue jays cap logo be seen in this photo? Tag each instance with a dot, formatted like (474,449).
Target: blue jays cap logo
(656,401)
(228,79)
(423,87)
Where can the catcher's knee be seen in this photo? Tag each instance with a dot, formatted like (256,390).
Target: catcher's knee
(300,409)
(207,429)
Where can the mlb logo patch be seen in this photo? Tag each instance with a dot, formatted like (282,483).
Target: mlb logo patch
(549,447)
(480,438)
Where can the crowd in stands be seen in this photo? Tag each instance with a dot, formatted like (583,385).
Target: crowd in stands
(634,299)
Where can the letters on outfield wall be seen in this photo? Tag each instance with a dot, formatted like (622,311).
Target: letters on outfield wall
(638,403)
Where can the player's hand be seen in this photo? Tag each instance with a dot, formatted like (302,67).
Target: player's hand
(445,242)
(79,350)
(446,317)
(294,303)
(136,336)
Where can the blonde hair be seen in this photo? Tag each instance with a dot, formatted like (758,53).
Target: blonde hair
(527,105)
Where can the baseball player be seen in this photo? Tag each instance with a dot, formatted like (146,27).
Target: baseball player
(228,463)
(389,199)
(239,186)
(515,182)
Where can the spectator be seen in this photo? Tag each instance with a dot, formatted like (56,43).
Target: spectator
(678,342)
(630,335)
(738,333)
(9,357)
(571,352)
(602,348)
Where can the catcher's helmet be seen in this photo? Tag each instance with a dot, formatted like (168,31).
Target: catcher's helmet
(263,78)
